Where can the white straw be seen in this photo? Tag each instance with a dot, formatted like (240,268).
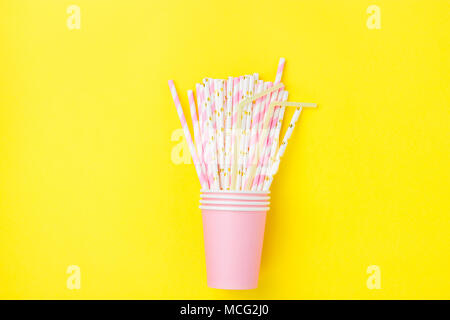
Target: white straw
(228,132)
(283,145)
(252,82)
(218,97)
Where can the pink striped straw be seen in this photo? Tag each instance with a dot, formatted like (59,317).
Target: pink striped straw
(257,180)
(272,125)
(263,139)
(256,116)
(204,128)
(259,116)
(265,105)
(206,142)
(252,144)
(272,142)
(187,135)
(235,100)
(280,70)
(213,100)
(201,119)
(197,136)
(280,115)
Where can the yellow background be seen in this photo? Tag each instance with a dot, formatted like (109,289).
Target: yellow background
(86,119)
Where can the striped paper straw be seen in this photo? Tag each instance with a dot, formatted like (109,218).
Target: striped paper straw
(268,146)
(205,132)
(274,169)
(256,148)
(256,114)
(282,149)
(256,171)
(211,145)
(278,130)
(252,82)
(228,132)
(280,69)
(201,119)
(197,134)
(211,95)
(245,95)
(187,135)
(234,131)
(272,144)
(262,141)
(278,77)
(219,99)
(264,106)
(195,125)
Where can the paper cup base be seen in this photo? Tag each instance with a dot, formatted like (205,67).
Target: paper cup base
(233,246)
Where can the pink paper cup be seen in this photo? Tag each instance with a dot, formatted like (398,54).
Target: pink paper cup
(233,235)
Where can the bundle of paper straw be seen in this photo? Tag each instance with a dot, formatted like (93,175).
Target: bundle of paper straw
(237,124)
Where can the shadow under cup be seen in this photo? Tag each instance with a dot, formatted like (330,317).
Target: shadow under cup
(233,229)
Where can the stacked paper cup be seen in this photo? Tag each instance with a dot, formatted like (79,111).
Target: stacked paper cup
(233,228)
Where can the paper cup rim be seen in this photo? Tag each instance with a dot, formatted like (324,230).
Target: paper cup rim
(255,203)
(235,191)
(225,196)
(240,209)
